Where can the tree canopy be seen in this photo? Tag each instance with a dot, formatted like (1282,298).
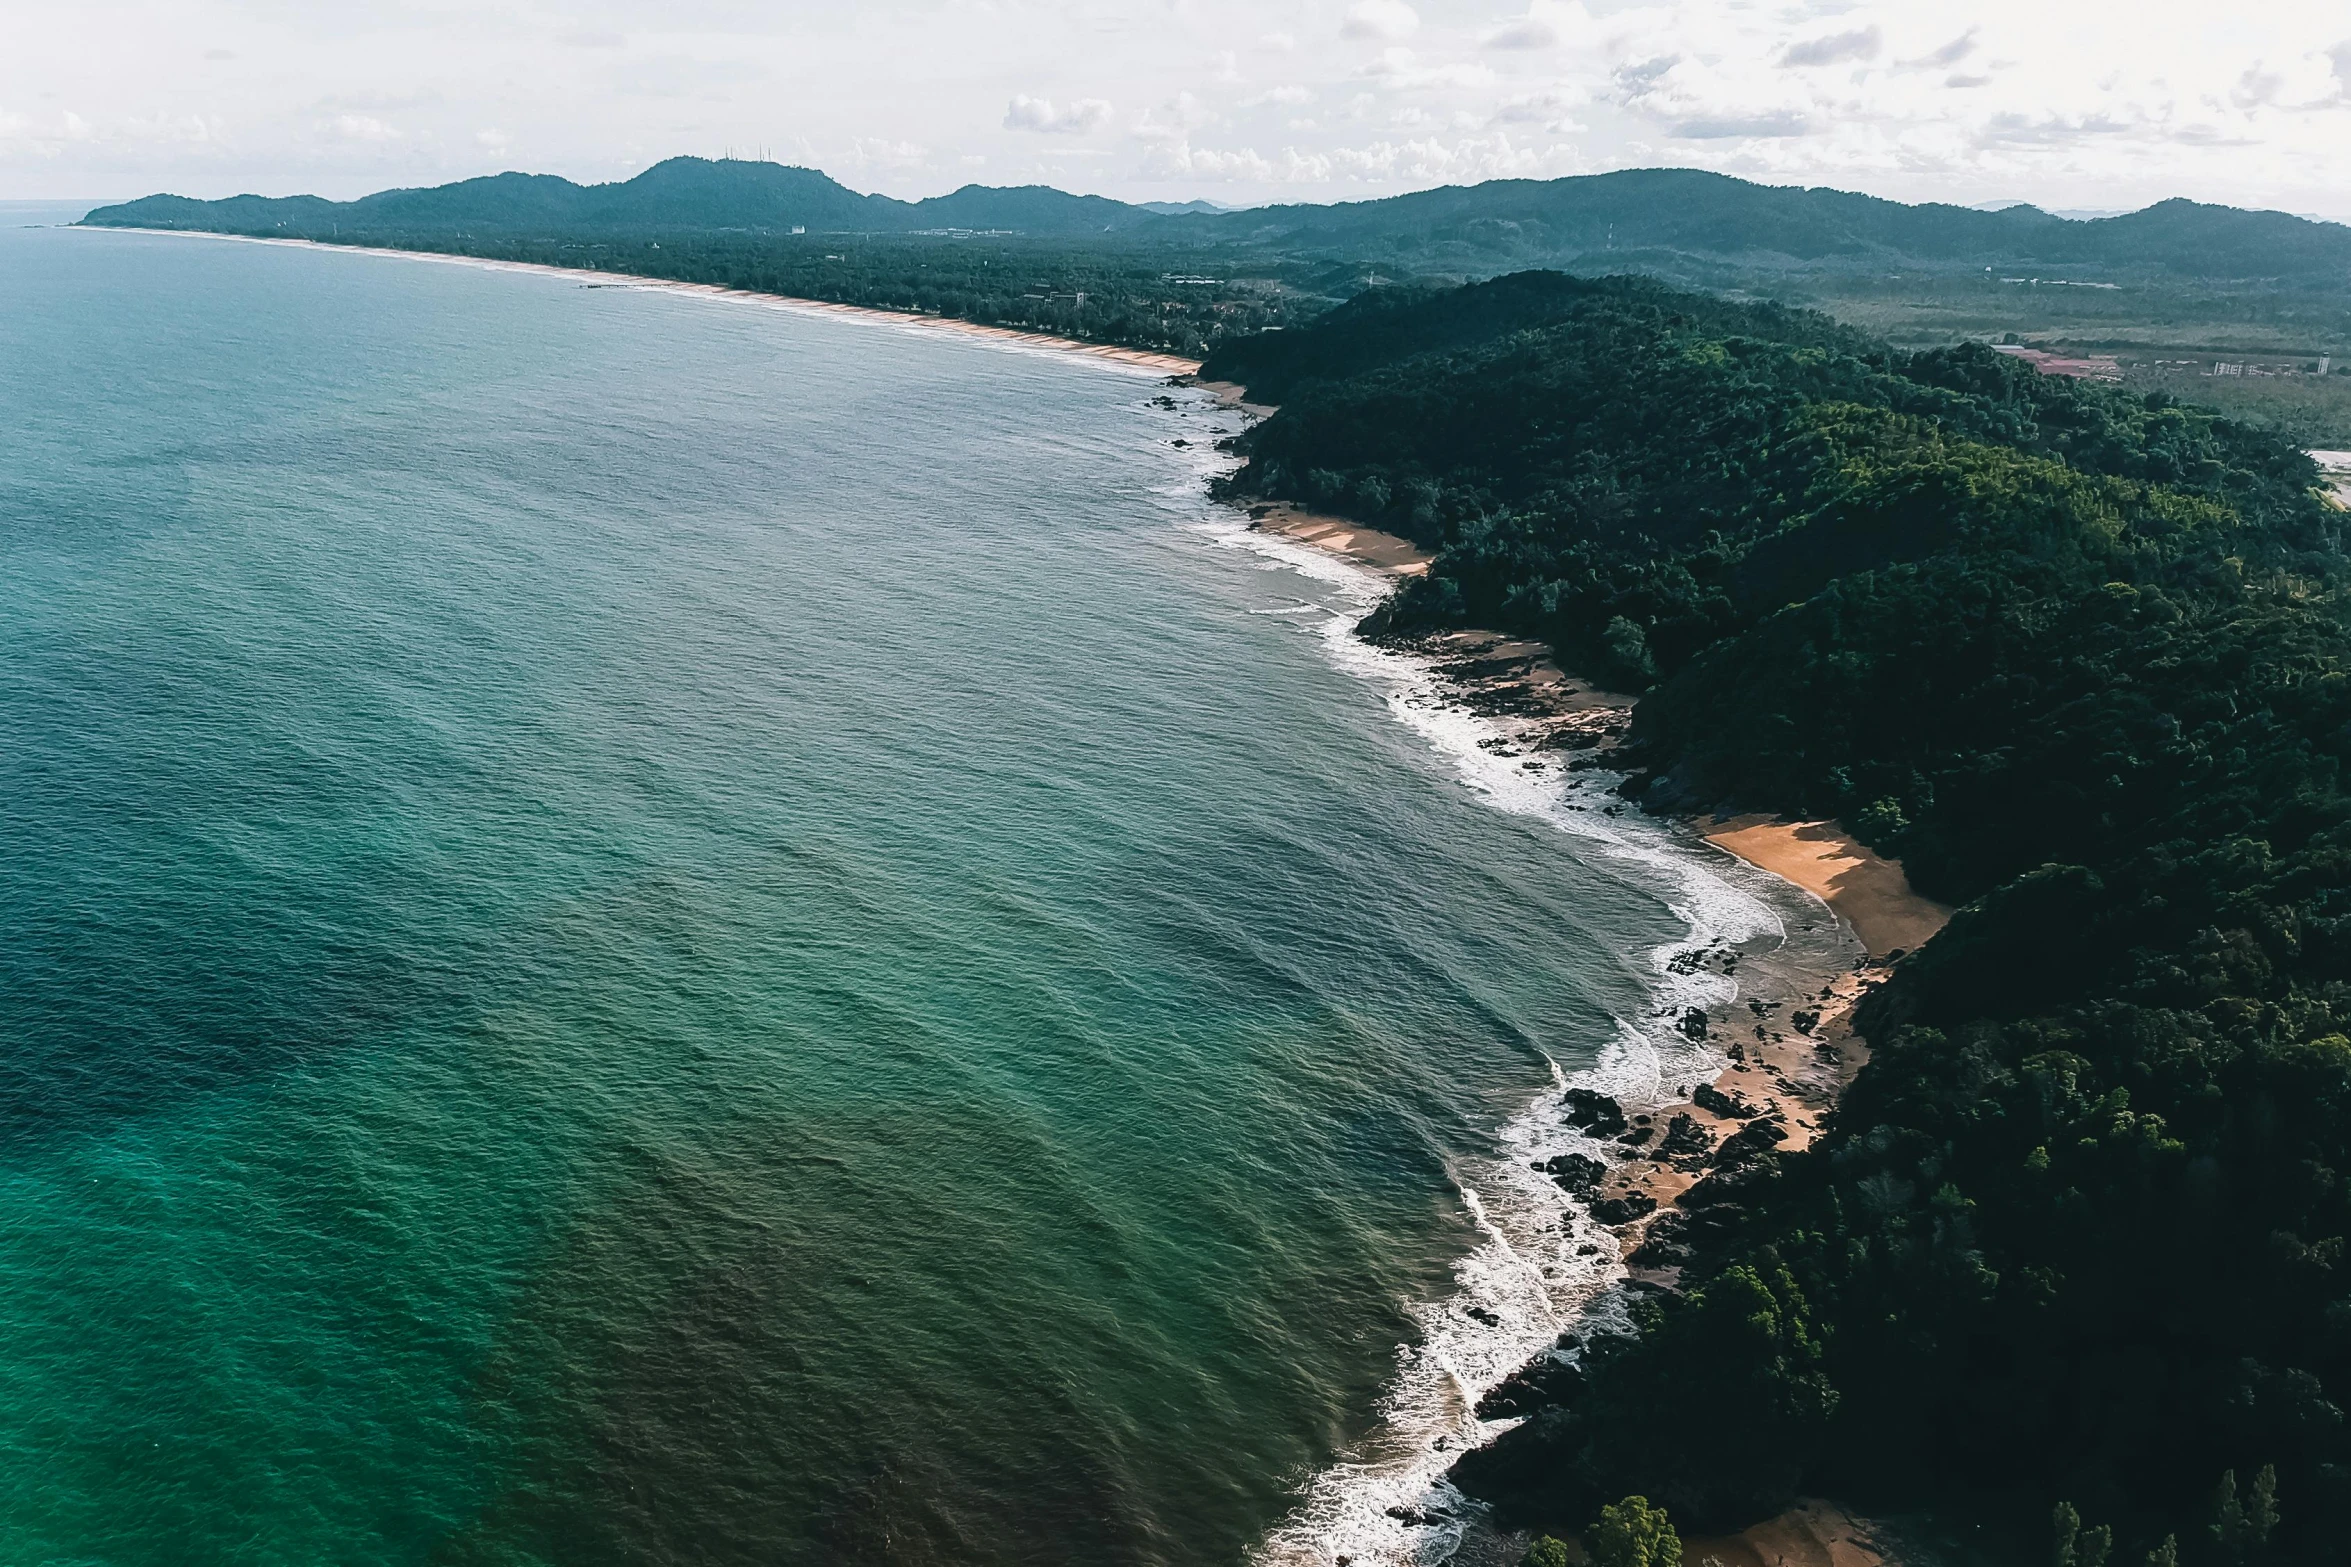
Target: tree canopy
(2077,1233)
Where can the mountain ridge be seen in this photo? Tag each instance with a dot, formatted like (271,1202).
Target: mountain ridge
(1608,220)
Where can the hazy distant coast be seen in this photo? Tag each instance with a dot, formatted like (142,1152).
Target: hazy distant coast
(2180,285)
(1154,363)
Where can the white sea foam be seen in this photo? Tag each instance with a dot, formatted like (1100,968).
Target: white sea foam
(1542,1265)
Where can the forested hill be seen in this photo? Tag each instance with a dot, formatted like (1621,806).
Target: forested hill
(1639,215)
(1640,219)
(680,196)
(2079,1232)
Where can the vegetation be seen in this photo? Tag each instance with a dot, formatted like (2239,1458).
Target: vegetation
(1548,1551)
(1096,294)
(2176,274)
(1677,221)
(2081,655)
(2077,652)
(1632,1533)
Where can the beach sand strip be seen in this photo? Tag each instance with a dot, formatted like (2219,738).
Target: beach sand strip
(1132,358)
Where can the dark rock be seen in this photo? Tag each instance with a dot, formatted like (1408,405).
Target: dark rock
(1575,1172)
(1805,1022)
(1693,1024)
(1594,1112)
(1752,1141)
(1417,1518)
(1637,1136)
(1662,1246)
(1731,1107)
(1618,1211)
(1686,1139)
(1481,1314)
(1547,1383)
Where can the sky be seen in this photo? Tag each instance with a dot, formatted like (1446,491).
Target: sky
(2083,105)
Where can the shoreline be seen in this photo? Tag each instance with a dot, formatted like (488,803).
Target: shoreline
(1130,358)
(1791,1083)
(1787,1058)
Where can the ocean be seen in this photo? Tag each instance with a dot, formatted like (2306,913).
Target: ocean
(640,929)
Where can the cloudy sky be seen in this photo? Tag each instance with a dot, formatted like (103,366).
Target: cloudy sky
(2083,104)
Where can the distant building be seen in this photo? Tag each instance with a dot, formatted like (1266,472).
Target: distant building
(2103,367)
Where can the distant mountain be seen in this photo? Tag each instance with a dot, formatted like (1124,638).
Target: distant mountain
(681,195)
(1636,220)
(1624,221)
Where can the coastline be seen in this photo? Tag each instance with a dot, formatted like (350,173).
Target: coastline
(1497,676)
(1130,358)
(1788,1052)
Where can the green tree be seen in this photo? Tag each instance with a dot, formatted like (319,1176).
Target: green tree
(2068,1527)
(2077,1546)
(1628,652)
(2261,1517)
(2165,1555)
(1635,1534)
(1545,1552)
(2241,1527)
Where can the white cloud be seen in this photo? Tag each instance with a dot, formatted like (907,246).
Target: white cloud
(1862,43)
(870,153)
(1528,32)
(362,127)
(1380,19)
(1041,114)
(1546,25)
(1972,98)
(1174,120)
(1734,128)
(1179,160)
(1554,112)
(1949,54)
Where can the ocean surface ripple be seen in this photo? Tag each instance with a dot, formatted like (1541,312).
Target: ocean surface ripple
(644,932)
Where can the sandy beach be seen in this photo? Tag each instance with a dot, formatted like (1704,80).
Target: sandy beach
(1869,893)
(1132,358)
(1383,552)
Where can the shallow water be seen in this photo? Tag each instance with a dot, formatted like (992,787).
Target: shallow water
(637,929)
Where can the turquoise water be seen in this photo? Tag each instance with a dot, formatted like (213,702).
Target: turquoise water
(642,930)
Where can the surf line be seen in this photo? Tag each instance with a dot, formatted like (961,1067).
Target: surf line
(1542,1264)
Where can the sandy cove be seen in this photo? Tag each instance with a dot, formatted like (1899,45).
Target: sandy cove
(1133,358)
(1789,1059)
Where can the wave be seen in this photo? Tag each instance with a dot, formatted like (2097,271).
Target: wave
(1542,1265)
